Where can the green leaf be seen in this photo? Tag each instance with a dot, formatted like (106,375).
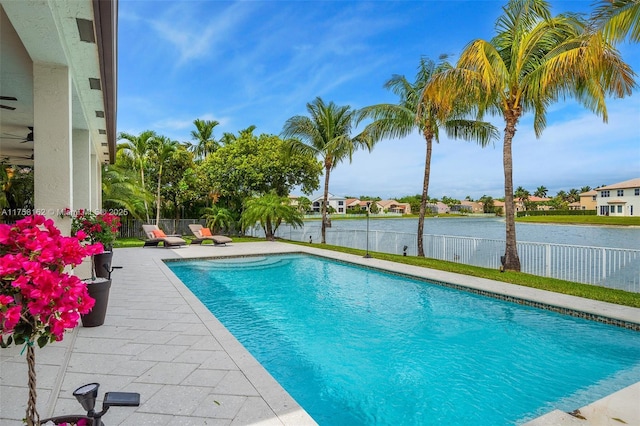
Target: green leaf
(42,341)
(7,343)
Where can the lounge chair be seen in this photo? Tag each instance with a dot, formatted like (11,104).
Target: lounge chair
(155,236)
(203,234)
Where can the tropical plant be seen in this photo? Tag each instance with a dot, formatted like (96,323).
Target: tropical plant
(618,19)
(541,191)
(39,297)
(255,165)
(184,189)
(488,204)
(521,194)
(218,218)
(138,149)
(203,135)
(304,204)
(94,228)
(414,112)
(162,149)
(584,189)
(533,61)
(270,211)
(574,195)
(325,133)
(449,201)
(121,190)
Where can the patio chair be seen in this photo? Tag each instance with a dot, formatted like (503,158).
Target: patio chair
(203,234)
(156,236)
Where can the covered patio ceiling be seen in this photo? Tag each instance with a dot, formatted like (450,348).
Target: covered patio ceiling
(79,35)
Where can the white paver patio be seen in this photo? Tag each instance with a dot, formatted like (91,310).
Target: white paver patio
(161,341)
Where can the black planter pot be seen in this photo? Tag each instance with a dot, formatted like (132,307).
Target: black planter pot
(99,290)
(102,264)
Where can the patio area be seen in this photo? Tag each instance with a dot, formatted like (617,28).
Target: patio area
(160,341)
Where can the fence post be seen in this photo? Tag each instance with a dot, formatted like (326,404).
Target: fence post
(604,263)
(547,260)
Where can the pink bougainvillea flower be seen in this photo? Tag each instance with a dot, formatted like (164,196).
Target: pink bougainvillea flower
(34,287)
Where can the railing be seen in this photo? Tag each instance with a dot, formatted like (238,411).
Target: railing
(607,267)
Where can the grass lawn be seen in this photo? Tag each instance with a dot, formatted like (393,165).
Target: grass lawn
(603,294)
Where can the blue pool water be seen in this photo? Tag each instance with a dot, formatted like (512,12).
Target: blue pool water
(355,346)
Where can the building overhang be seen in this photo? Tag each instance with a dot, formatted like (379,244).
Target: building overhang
(80,35)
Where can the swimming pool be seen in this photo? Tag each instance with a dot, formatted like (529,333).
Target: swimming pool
(358,346)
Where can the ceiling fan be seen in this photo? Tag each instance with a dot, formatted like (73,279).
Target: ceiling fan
(28,138)
(8,98)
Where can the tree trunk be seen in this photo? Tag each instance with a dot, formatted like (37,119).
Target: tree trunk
(425,192)
(325,199)
(511,260)
(144,191)
(268,230)
(158,196)
(32,417)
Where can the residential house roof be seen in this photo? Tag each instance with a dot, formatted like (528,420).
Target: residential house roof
(535,199)
(631,183)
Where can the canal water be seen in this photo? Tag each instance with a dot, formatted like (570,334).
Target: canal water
(494,228)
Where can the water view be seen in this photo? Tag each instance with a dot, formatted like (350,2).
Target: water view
(494,228)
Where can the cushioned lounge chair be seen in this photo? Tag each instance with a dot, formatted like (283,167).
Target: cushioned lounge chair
(156,236)
(200,234)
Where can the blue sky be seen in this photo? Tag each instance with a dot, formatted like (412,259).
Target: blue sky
(260,62)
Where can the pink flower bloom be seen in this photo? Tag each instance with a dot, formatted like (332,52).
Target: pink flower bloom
(34,287)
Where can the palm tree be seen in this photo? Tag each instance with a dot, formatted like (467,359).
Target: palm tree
(270,211)
(163,149)
(521,194)
(618,19)
(218,218)
(541,191)
(574,195)
(138,149)
(586,188)
(203,135)
(327,134)
(304,204)
(414,112)
(533,61)
(121,190)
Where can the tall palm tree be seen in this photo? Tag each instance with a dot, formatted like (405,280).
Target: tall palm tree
(270,211)
(138,149)
(541,191)
(414,112)
(618,19)
(163,149)
(325,133)
(203,135)
(533,61)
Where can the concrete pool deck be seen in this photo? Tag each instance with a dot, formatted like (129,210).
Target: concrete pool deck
(159,340)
